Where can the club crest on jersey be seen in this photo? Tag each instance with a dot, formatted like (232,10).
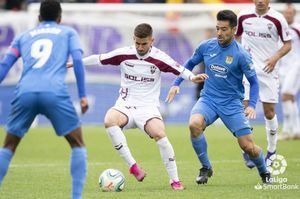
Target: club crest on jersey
(269,26)
(152,69)
(229,59)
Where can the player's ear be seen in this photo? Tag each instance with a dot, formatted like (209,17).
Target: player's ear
(234,29)
(58,19)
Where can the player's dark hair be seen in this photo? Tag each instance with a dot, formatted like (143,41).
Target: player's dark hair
(227,15)
(50,10)
(143,30)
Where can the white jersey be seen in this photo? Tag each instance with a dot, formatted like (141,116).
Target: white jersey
(291,60)
(261,35)
(140,76)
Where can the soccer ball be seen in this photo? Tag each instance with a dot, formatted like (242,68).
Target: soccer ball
(111,180)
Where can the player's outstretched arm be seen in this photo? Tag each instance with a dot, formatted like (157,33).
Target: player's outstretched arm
(6,64)
(80,78)
(87,61)
(172,92)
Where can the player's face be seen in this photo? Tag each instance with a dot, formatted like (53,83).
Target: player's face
(289,14)
(225,32)
(261,5)
(143,45)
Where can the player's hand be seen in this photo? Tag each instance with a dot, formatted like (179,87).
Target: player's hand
(69,64)
(172,92)
(270,64)
(199,78)
(84,105)
(250,112)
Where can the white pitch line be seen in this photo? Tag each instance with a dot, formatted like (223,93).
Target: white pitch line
(34,165)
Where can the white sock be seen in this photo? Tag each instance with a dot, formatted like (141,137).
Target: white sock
(287,109)
(295,118)
(272,131)
(168,157)
(119,142)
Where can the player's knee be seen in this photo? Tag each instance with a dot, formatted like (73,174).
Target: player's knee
(75,138)
(269,113)
(251,150)
(196,129)
(109,122)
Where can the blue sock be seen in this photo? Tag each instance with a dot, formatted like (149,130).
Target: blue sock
(259,162)
(200,147)
(5,157)
(78,171)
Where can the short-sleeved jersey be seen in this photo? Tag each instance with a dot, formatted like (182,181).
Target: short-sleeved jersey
(291,59)
(225,67)
(261,34)
(44,51)
(140,75)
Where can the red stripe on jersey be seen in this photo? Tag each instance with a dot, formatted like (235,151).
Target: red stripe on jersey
(15,51)
(162,65)
(277,24)
(240,28)
(297,31)
(118,59)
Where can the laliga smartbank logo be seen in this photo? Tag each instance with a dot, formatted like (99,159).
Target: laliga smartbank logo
(276,165)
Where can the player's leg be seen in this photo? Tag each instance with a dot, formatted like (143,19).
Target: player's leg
(202,115)
(78,162)
(271,127)
(115,119)
(239,125)
(61,112)
(6,153)
(255,153)
(23,112)
(269,94)
(155,128)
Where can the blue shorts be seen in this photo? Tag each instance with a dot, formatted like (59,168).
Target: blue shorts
(237,123)
(58,109)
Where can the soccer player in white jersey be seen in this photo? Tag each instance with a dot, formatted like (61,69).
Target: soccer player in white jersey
(260,30)
(137,105)
(289,73)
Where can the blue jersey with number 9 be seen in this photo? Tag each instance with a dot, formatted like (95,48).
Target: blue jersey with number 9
(45,51)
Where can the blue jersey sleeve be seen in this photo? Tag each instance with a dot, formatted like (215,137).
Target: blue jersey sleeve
(79,72)
(246,64)
(192,62)
(74,43)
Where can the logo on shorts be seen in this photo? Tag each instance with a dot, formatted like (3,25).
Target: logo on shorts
(152,69)
(229,59)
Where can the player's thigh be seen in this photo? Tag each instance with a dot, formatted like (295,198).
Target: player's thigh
(203,110)
(118,116)
(155,128)
(23,111)
(268,88)
(237,123)
(143,116)
(60,111)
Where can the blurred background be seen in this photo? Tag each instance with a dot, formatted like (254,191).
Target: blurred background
(103,25)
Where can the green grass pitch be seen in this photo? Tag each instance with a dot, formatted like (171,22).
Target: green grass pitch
(40,168)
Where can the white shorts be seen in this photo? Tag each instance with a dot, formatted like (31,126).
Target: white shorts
(290,81)
(138,116)
(268,88)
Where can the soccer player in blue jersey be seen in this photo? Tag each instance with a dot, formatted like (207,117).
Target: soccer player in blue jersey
(42,90)
(225,63)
